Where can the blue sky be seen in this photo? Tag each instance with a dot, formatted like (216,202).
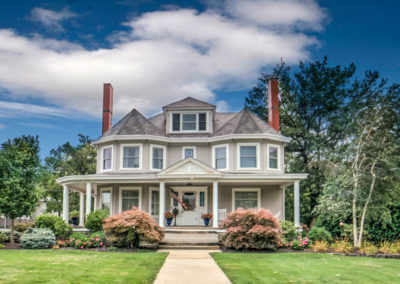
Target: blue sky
(55,55)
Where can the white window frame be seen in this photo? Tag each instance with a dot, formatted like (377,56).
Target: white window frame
(121,188)
(150,200)
(121,162)
(214,147)
(278,149)
(102,158)
(189,147)
(197,122)
(257,155)
(258,190)
(111,198)
(164,156)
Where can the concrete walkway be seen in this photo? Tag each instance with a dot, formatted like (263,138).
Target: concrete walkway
(190,266)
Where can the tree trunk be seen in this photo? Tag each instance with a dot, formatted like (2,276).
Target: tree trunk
(12,231)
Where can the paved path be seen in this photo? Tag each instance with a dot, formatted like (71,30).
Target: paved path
(190,266)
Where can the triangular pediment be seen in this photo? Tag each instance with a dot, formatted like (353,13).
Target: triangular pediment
(189,167)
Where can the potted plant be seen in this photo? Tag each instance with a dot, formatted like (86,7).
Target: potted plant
(169,216)
(74,217)
(206,217)
(175,211)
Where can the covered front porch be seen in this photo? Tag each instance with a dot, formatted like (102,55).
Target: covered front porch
(189,186)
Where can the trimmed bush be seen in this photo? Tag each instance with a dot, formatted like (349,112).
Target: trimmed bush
(131,227)
(319,234)
(38,238)
(289,230)
(251,229)
(97,239)
(17,235)
(95,220)
(21,227)
(54,223)
(3,238)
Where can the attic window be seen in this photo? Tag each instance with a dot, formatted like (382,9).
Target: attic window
(189,122)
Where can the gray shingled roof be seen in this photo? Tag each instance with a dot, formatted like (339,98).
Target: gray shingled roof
(243,122)
(189,102)
(134,123)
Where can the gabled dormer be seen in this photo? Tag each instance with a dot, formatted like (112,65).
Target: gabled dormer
(189,116)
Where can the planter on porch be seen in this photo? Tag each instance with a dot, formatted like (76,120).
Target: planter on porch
(206,217)
(169,216)
(74,217)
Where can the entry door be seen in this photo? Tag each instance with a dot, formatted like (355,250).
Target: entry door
(195,199)
(190,214)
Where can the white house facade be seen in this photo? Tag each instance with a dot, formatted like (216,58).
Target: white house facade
(188,157)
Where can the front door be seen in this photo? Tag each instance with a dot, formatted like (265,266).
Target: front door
(195,199)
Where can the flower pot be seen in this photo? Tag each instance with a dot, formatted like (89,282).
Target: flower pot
(206,222)
(169,221)
(75,221)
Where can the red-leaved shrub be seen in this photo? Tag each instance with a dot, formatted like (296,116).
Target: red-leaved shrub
(251,229)
(131,227)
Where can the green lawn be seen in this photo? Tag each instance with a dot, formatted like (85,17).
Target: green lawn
(58,266)
(306,268)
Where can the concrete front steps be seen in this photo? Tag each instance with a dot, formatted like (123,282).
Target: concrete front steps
(190,238)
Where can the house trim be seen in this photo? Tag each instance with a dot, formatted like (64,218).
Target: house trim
(121,188)
(258,190)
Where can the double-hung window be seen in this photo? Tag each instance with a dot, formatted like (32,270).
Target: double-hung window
(221,157)
(189,122)
(107,158)
(273,157)
(155,202)
(157,157)
(131,156)
(246,198)
(106,200)
(129,197)
(248,156)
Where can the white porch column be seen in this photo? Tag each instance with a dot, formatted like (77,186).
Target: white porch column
(65,203)
(81,209)
(215,204)
(297,203)
(162,204)
(88,198)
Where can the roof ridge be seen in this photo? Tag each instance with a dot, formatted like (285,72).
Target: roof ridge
(232,118)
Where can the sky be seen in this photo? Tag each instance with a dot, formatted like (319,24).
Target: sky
(56,55)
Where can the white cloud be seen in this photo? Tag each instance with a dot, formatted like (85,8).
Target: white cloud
(167,55)
(12,109)
(51,19)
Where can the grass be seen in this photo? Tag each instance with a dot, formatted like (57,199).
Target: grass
(58,266)
(306,268)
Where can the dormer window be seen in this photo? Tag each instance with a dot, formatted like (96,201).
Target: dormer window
(189,121)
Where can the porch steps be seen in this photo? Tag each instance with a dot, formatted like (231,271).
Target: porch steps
(182,239)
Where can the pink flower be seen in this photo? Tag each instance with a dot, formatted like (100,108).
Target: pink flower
(97,239)
(299,237)
(341,224)
(81,247)
(304,242)
(101,243)
(92,239)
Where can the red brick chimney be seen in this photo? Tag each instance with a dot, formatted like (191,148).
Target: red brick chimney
(108,94)
(273,103)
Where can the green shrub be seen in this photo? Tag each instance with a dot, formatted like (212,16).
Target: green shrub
(319,234)
(94,221)
(289,230)
(2,246)
(54,223)
(131,227)
(251,229)
(21,227)
(97,239)
(300,243)
(3,238)
(80,237)
(38,238)
(17,235)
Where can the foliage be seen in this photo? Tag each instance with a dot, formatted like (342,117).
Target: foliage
(251,229)
(368,248)
(169,215)
(3,237)
(313,106)
(319,234)
(38,238)
(342,246)
(132,226)
(77,236)
(289,230)
(300,243)
(389,248)
(19,161)
(97,239)
(2,246)
(17,235)
(21,227)
(54,223)
(206,216)
(381,228)
(95,220)
(63,161)
(320,246)
(74,214)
